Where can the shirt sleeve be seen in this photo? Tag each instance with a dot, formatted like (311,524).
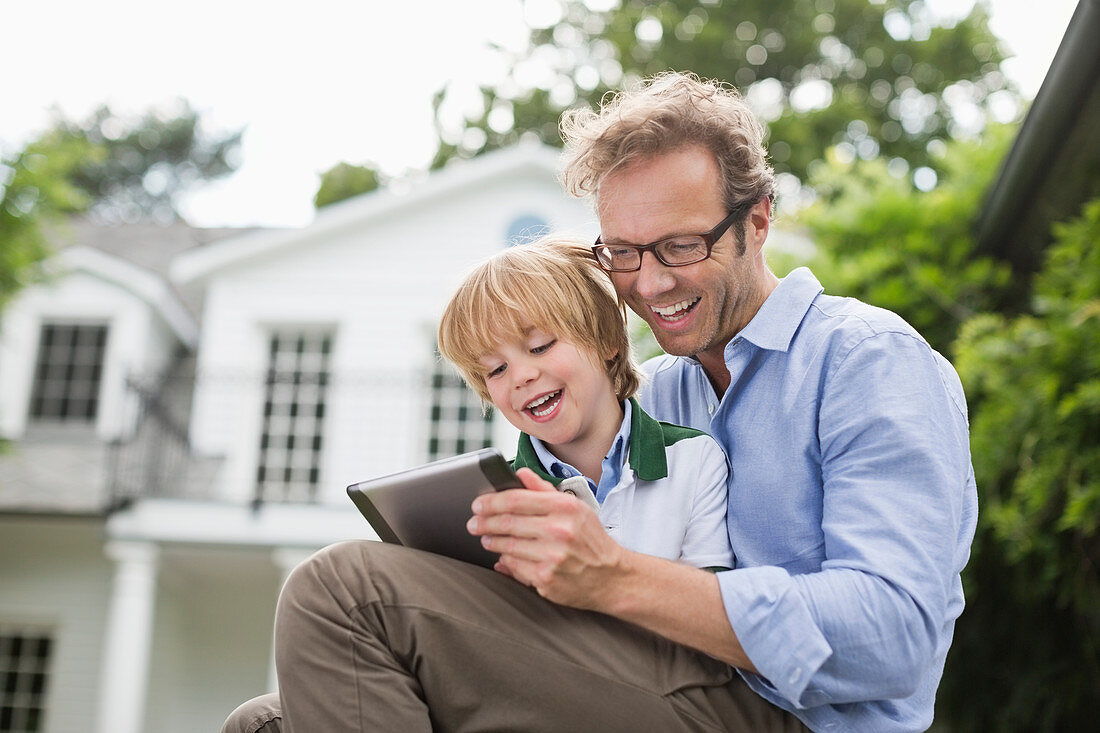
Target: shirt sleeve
(706,541)
(896,522)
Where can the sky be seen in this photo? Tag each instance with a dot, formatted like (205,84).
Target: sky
(314,83)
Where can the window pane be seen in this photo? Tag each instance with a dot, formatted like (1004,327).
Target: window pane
(67,373)
(456,423)
(291,440)
(24,661)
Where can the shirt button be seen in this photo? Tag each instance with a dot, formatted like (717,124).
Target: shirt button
(710,409)
(795,675)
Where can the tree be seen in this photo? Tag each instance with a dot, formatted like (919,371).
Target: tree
(116,168)
(36,186)
(870,78)
(890,244)
(145,163)
(344,180)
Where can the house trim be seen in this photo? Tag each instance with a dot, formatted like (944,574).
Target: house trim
(146,285)
(199,264)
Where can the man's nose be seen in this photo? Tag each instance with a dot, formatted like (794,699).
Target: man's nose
(653,277)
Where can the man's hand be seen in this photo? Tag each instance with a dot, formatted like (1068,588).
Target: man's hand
(547,540)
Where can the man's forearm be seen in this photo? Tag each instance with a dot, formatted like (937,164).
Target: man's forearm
(677,601)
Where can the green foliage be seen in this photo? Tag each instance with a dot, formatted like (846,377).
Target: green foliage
(147,162)
(1033,612)
(343,180)
(891,245)
(880,93)
(36,187)
(118,169)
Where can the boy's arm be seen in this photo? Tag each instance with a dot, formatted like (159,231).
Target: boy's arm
(556,545)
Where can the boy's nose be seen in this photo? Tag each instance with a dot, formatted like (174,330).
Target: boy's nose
(524,373)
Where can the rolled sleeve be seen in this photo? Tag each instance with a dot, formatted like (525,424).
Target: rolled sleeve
(775,627)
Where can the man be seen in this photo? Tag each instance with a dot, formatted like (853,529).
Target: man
(851,498)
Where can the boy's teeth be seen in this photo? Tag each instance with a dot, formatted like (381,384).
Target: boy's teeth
(672,310)
(541,400)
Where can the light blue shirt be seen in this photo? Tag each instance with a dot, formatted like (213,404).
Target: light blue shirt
(611,468)
(852,504)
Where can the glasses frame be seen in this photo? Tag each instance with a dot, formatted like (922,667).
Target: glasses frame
(709,239)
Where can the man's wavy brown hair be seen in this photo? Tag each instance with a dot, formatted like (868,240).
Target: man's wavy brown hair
(663,114)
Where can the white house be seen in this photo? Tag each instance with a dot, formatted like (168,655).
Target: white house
(184,409)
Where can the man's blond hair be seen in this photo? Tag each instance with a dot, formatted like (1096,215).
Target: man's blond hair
(553,284)
(661,115)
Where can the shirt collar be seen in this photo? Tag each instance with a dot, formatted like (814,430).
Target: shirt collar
(644,435)
(559,469)
(774,325)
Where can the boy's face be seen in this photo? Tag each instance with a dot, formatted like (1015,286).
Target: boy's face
(552,390)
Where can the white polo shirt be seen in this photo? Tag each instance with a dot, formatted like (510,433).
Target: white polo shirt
(670,500)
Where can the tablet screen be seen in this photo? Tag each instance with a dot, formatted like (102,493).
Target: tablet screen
(427,507)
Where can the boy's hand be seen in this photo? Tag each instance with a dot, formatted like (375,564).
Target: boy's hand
(547,540)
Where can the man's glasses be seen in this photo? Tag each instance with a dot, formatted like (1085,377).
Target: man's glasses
(685,249)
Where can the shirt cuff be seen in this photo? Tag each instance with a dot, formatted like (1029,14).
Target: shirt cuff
(775,628)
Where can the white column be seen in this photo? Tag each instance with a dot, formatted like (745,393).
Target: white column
(125,670)
(286,559)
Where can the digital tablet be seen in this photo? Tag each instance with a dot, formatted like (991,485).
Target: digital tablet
(427,507)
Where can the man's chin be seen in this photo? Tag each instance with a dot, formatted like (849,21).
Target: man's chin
(675,344)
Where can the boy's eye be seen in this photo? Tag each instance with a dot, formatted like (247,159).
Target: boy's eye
(496,372)
(544,348)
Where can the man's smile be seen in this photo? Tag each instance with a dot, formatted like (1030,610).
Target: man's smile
(676,311)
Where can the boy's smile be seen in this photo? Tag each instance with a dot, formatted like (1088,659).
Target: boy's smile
(543,408)
(550,389)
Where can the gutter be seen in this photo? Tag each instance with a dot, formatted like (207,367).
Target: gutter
(1056,111)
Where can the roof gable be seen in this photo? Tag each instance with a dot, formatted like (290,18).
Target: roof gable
(144,284)
(199,264)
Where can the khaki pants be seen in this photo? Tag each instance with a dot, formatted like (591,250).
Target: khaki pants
(374,637)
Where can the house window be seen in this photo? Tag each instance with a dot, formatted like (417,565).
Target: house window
(68,372)
(24,658)
(525,228)
(456,422)
(294,415)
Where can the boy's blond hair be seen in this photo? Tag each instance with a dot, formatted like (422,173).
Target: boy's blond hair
(553,284)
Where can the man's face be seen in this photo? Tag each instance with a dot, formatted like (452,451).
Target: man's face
(695,308)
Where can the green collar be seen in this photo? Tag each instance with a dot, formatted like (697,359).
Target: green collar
(648,440)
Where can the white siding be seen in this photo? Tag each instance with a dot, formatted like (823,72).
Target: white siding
(138,342)
(52,571)
(212,641)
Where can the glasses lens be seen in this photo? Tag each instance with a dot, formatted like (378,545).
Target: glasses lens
(682,250)
(616,258)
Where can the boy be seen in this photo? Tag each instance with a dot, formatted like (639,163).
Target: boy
(537,331)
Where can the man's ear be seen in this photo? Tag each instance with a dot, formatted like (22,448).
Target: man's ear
(757,225)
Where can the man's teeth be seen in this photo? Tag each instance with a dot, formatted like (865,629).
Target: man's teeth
(674,312)
(533,404)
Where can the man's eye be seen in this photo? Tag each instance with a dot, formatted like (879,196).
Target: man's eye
(544,348)
(683,246)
